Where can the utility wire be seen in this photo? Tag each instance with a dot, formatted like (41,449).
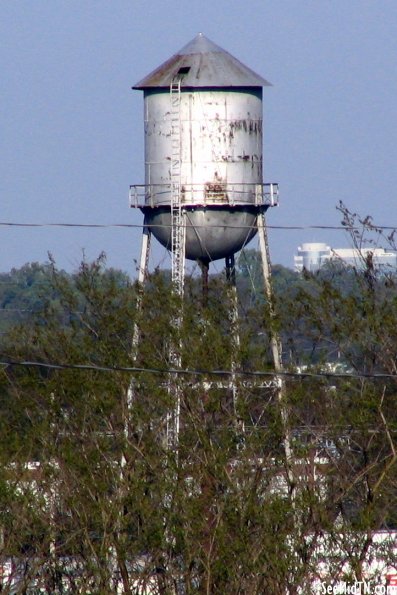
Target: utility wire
(153,226)
(195,372)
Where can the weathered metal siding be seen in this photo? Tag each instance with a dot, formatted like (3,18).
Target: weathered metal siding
(221,146)
(219,157)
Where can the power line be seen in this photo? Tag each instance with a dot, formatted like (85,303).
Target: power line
(153,226)
(197,372)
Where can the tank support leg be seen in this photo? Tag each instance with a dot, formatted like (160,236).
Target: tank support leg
(235,337)
(145,251)
(204,266)
(142,274)
(275,345)
(131,393)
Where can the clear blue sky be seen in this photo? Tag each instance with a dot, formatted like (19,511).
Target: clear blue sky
(71,134)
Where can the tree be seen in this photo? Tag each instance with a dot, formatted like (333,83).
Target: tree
(90,503)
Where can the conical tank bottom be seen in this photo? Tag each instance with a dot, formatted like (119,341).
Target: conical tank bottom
(211,233)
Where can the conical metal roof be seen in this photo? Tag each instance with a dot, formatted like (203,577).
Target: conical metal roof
(202,63)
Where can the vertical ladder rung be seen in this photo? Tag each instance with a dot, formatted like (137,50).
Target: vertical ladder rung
(177,253)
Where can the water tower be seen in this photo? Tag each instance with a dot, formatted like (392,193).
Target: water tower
(204,197)
(204,194)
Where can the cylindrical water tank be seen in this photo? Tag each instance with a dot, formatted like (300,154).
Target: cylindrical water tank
(217,108)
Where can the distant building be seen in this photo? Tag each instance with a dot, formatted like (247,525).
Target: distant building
(312,255)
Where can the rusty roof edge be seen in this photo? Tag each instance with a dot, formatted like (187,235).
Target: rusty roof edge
(211,66)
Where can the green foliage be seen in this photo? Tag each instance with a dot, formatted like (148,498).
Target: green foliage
(90,494)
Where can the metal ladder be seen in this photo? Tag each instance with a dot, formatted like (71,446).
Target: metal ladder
(178,235)
(177,214)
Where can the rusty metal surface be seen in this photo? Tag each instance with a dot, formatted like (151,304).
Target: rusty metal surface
(219,158)
(220,146)
(203,64)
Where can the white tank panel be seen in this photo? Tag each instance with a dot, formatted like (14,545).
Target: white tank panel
(220,146)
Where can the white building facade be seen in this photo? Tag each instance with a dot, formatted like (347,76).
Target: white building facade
(311,256)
